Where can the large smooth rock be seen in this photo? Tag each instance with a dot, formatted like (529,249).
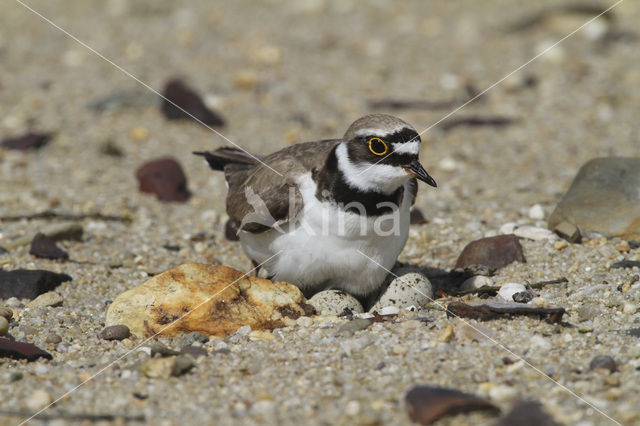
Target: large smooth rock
(492,252)
(604,198)
(222,299)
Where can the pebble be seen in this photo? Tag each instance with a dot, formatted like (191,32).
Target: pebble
(38,400)
(493,252)
(534,233)
(65,231)
(351,327)
(194,337)
(568,231)
(502,393)
(46,248)
(400,349)
(165,178)
(623,247)
(194,351)
(475,282)
(507,290)
(389,310)
(166,367)
(139,134)
(53,338)
(28,284)
(178,93)
(245,330)
(560,245)
(536,212)
(604,362)
(261,335)
(115,332)
(4,326)
(352,408)
(630,308)
(447,335)
(50,298)
(304,322)
(27,141)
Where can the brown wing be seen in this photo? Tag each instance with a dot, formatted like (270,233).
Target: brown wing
(259,199)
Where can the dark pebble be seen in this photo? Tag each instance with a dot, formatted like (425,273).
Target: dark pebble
(187,100)
(194,351)
(603,362)
(21,350)
(158,348)
(527,413)
(45,247)
(626,264)
(231,231)
(493,252)
(190,338)
(110,149)
(27,141)
(524,296)
(427,404)
(164,178)
(3,250)
(29,284)
(416,217)
(171,247)
(635,332)
(115,332)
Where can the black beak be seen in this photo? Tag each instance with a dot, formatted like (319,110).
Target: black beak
(416,170)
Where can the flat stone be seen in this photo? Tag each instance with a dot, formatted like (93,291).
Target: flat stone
(568,231)
(220,301)
(194,351)
(28,284)
(46,247)
(527,413)
(603,199)
(604,362)
(182,102)
(165,178)
(115,332)
(335,302)
(20,350)
(27,141)
(426,404)
(50,298)
(353,326)
(493,252)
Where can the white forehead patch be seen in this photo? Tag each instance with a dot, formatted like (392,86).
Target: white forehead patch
(407,148)
(379,132)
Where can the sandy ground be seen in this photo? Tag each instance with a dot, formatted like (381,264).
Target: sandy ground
(285,72)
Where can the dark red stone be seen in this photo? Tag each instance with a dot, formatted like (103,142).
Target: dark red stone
(493,252)
(45,247)
(164,178)
(27,141)
(186,98)
(20,350)
(426,404)
(29,284)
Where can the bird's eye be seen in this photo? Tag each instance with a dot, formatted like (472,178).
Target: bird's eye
(378,146)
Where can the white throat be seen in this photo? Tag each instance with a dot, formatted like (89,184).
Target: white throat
(366,177)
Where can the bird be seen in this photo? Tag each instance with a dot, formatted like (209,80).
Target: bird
(328,214)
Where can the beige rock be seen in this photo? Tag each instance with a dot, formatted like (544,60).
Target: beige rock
(163,368)
(212,300)
(4,326)
(50,298)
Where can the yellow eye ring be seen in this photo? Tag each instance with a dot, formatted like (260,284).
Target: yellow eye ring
(376,150)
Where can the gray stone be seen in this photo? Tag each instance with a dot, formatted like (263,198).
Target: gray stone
(603,198)
(604,362)
(53,338)
(353,326)
(568,231)
(115,332)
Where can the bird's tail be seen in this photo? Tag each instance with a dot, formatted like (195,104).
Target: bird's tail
(221,157)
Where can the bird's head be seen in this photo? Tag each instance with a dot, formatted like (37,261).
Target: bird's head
(379,153)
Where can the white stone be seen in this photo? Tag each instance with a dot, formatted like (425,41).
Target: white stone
(39,400)
(534,233)
(630,308)
(536,212)
(502,393)
(540,342)
(334,302)
(244,330)
(476,282)
(352,408)
(508,228)
(389,310)
(509,289)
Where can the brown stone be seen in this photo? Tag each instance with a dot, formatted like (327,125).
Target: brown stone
(493,252)
(211,300)
(426,404)
(164,178)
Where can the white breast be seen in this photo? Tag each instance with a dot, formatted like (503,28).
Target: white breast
(319,250)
